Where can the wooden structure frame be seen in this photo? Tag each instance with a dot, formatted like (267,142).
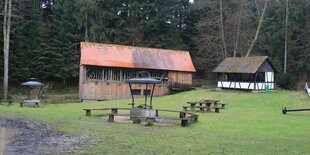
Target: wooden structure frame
(104,69)
(250,73)
(185,117)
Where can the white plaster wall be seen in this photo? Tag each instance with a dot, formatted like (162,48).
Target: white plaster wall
(269,77)
(243,85)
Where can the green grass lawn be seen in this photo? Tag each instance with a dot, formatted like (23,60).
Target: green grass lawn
(252,123)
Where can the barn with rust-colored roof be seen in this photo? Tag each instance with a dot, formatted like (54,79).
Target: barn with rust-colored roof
(250,73)
(104,68)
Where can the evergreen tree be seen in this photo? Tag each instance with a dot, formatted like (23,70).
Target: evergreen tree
(61,55)
(27,40)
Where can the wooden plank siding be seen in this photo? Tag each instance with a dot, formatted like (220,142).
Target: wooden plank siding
(180,78)
(110,90)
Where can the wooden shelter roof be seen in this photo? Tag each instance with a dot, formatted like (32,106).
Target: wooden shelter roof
(109,55)
(242,64)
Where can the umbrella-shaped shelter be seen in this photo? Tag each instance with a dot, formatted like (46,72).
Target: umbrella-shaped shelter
(29,85)
(142,111)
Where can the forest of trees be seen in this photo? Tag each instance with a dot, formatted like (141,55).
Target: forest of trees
(45,34)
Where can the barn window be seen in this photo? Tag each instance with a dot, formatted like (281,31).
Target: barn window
(94,73)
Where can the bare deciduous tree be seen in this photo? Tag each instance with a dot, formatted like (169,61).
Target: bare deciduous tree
(257,30)
(6,44)
(222,30)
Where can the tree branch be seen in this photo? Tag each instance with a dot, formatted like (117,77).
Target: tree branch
(257,30)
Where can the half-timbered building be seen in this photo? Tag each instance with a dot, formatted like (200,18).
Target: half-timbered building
(248,73)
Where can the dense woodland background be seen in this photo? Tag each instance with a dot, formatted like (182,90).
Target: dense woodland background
(45,34)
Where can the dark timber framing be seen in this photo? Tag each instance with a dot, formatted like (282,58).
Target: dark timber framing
(251,73)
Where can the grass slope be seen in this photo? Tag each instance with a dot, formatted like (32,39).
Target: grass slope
(252,123)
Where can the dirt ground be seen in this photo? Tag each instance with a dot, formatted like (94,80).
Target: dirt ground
(37,138)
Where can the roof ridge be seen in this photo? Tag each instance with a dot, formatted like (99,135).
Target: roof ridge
(128,46)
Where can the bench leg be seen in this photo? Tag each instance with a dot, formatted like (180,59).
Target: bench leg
(182,114)
(202,109)
(196,118)
(223,106)
(217,110)
(208,107)
(21,104)
(136,121)
(193,108)
(184,122)
(114,111)
(284,110)
(88,113)
(111,118)
(156,113)
(149,121)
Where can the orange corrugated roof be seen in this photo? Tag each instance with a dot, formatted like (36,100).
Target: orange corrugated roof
(135,57)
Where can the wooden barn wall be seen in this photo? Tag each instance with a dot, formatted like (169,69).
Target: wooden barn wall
(82,79)
(108,91)
(104,90)
(180,78)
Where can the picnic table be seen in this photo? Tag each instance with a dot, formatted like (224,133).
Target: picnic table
(204,104)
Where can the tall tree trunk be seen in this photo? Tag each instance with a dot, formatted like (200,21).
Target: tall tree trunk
(257,30)
(238,30)
(6,44)
(285,48)
(222,29)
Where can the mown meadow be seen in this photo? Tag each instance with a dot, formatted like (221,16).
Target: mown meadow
(251,123)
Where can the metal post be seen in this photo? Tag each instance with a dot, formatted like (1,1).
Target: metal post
(28,92)
(152,96)
(40,90)
(145,94)
(133,100)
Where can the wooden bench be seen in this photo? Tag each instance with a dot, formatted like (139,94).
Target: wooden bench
(30,103)
(285,110)
(149,121)
(186,120)
(6,101)
(113,110)
(202,108)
